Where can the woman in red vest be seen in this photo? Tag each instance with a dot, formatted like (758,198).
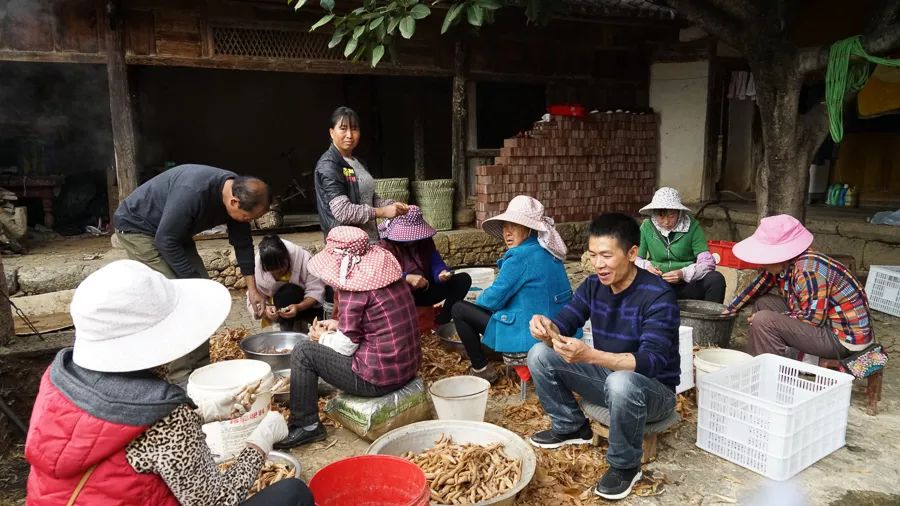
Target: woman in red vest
(107,430)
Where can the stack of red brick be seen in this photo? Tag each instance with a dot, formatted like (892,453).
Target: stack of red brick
(576,167)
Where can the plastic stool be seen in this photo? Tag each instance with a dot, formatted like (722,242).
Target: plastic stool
(519,362)
(873,384)
(600,415)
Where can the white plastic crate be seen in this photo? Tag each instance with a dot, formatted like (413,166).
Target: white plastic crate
(773,415)
(883,288)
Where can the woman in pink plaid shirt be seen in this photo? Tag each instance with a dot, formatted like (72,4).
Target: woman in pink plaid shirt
(373,347)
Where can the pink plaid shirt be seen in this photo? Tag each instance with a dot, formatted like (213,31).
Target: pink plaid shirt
(384,324)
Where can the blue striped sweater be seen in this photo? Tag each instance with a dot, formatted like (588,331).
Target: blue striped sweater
(642,320)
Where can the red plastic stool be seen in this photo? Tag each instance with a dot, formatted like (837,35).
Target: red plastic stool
(518,361)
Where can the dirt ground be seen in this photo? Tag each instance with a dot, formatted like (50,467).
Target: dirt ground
(863,472)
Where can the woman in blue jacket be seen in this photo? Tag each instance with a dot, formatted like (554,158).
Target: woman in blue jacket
(532,279)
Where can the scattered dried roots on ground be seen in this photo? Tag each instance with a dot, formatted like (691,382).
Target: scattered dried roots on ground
(225,345)
(466,474)
(270,473)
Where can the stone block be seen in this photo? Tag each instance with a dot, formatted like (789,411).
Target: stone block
(879,253)
(229,281)
(40,279)
(833,244)
(240,284)
(862,230)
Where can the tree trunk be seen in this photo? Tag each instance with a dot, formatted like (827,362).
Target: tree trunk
(783,177)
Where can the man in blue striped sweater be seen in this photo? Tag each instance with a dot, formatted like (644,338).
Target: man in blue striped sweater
(633,367)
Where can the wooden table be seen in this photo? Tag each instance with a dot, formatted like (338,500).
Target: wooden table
(45,188)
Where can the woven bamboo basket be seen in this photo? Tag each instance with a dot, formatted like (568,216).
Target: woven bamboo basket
(391,184)
(436,202)
(395,195)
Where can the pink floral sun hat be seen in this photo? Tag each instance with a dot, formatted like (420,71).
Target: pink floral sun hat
(777,239)
(529,212)
(407,228)
(350,263)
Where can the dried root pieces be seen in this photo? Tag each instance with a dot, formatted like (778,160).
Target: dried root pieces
(270,474)
(466,474)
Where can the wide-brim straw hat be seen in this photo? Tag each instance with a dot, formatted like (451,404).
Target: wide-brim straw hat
(665,198)
(777,239)
(350,263)
(129,317)
(529,212)
(408,227)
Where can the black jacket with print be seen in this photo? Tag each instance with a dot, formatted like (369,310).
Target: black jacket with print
(334,177)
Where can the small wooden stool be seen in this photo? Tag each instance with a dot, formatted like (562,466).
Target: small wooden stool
(873,384)
(600,416)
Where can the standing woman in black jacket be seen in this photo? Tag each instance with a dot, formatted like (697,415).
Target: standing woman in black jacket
(345,190)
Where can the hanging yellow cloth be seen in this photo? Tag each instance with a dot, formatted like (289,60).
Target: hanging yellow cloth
(881,94)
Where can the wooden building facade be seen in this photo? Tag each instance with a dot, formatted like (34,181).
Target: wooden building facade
(244,85)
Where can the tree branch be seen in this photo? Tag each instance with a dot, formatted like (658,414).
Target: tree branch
(884,16)
(886,38)
(711,18)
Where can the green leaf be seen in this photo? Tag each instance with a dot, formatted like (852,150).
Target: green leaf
(328,5)
(380,32)
(375,23)
(298,5)
(351,46)
(392,24)
(358,31)
(407,27)
(490,5)
(451,16)
(325,19)
(419,11)
(475,14)
(336,38)
(377,54)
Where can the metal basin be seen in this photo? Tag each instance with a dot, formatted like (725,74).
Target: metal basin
(273,348)
(711,327)
(286,459)
(420,436)
(284,396)
(445,333)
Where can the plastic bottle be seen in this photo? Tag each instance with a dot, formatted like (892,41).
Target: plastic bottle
(842,195)
(830,196)
(850,197)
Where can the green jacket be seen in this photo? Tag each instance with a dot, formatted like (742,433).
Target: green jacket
(677,251)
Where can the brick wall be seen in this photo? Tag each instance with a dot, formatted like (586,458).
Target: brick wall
(576,167)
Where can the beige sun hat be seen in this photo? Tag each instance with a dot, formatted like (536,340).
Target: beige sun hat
(665,198)
(129,317)
(529,212)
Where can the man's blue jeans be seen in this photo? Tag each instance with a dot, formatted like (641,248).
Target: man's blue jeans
(632,399)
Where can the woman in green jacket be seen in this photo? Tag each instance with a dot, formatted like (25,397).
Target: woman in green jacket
(673,246)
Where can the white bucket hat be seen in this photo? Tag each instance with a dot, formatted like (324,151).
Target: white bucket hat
(528,212)
(129,317)
(665,198)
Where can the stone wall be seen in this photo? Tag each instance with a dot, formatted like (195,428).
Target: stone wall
(472,247)
(577,168)
(867,244)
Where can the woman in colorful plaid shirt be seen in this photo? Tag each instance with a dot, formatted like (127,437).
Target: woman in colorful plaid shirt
(819,307)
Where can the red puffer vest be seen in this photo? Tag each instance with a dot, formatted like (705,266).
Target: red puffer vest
(65,441)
